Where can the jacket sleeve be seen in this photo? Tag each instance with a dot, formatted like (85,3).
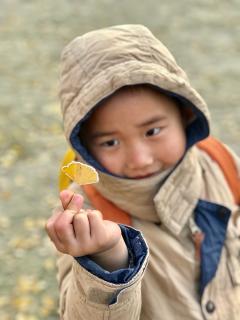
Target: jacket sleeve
(86,289)
(83,294)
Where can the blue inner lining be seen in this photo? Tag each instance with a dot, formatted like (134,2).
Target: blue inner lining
(212,219)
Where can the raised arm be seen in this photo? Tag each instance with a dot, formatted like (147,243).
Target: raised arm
(95,274)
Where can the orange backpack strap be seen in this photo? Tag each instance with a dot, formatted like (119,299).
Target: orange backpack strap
(219,153)
(107,208)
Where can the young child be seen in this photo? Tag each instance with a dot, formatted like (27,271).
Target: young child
(130,112)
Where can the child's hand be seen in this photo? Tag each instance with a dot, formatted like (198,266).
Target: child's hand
(80,232)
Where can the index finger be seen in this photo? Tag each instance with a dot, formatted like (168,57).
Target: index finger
(71,200)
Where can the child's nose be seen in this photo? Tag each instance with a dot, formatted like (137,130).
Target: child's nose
(139,156)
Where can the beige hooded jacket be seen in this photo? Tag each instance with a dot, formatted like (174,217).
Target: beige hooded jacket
(166,286)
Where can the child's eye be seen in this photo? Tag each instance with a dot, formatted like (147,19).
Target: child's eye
(152,132)
(110,143)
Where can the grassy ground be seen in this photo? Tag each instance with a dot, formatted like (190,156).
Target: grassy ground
(204,37)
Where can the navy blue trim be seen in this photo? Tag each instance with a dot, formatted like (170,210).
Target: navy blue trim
(195,131)
(137,249)
(80,148)
(212,219)
(199,128)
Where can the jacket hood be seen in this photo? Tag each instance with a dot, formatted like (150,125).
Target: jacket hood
(95,65)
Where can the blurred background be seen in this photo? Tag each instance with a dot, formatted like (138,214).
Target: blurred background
(203,35)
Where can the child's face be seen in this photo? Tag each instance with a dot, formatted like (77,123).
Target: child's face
(136,134)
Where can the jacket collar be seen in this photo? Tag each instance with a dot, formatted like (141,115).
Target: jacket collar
(178,197)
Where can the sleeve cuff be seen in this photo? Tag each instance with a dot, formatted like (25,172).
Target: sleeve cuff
(137,250)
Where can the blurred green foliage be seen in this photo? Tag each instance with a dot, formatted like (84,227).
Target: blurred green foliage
(203,35)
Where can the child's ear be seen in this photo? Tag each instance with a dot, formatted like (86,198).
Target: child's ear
(188,116)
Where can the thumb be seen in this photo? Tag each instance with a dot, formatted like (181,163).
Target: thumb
(70,200)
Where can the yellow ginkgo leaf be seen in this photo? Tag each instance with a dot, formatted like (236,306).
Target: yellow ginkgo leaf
(81,173)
